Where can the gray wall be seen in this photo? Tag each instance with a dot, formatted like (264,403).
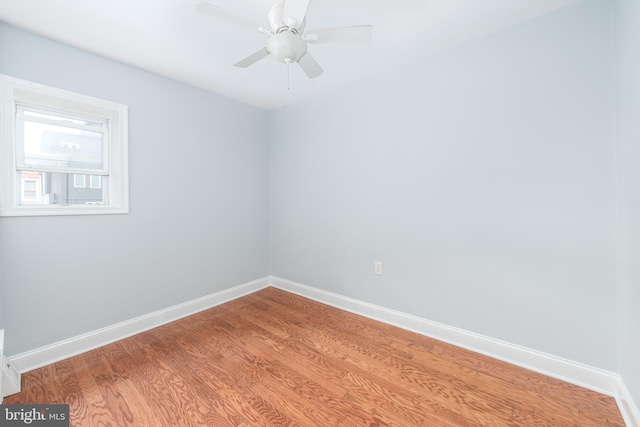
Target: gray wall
(198,219)
(628,132)
(483,178)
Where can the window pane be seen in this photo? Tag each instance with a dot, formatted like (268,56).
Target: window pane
(61,142)
(95,181)
(59,189)
(78,181)
(29,189)
(63,119)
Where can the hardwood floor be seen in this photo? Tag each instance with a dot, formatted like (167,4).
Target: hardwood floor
(276,359)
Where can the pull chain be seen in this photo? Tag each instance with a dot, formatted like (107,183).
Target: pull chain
(288,79)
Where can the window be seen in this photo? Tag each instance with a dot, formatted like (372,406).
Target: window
(95,181)
(29,189)
(79,181)
(62,153)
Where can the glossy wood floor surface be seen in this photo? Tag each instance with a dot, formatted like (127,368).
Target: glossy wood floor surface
(276,359)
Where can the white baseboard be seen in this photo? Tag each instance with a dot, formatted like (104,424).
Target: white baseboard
(604,382)
(43,356)
(628,407)
(576,373)
(11,378)
(1,359)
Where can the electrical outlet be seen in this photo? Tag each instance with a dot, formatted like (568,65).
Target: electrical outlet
(377,268)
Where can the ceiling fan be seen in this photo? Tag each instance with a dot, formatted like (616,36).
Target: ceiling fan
(288,40)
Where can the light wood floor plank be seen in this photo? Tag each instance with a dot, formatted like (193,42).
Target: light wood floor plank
(277,359)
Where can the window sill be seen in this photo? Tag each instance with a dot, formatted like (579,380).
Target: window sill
(64,211)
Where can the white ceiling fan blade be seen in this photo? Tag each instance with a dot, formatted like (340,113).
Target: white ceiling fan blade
(252,59)
(295,9)
(215,11)
(309,65)
(356,34)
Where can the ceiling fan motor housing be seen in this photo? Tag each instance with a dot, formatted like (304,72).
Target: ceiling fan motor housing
(287,47)
(278,22)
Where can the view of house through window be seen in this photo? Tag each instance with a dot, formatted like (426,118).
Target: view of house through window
(66,152)
(56,140)
(47,188)
(53,144)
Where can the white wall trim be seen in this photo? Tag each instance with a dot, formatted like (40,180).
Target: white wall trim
(1,360)
(604,382)
(628,407)
(10,378)
(46,355)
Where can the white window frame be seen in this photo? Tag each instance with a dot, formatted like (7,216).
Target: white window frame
(15,91)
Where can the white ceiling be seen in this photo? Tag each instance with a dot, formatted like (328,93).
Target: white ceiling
(170,38)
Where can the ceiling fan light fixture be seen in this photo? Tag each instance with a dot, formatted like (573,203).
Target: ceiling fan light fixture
(288,39)
(287,47)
